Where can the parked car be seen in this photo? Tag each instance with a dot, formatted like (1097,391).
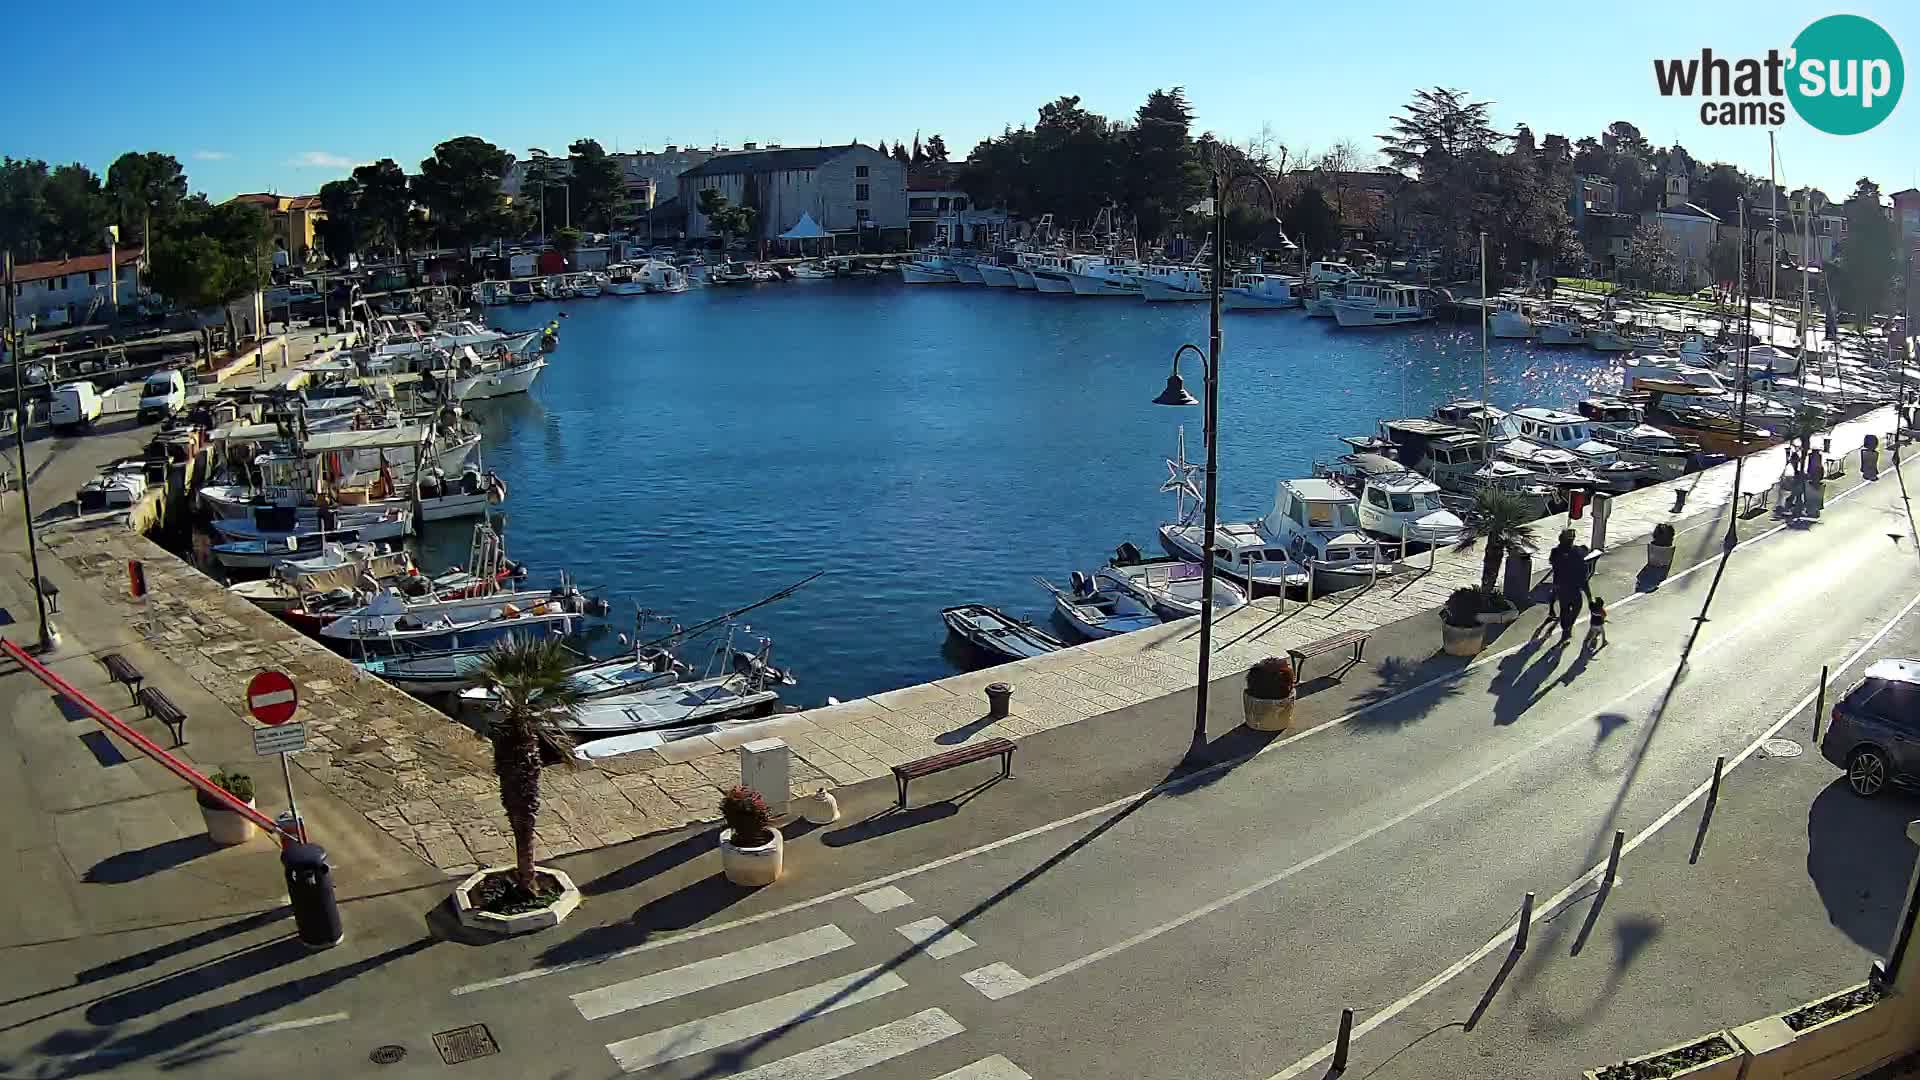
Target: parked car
(163,394)
(1875,730)
(75,404)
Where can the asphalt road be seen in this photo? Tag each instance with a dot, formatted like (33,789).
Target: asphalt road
(1213,927)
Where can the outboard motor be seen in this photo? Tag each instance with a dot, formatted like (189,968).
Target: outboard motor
(1127,553)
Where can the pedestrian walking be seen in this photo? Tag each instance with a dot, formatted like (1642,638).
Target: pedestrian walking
(1568,561)
(1596,624)
(1870,458)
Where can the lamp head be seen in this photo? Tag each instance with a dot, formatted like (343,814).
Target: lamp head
(1175,393)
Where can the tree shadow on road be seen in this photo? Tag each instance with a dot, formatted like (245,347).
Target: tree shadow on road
(1859,859)
(1375,708)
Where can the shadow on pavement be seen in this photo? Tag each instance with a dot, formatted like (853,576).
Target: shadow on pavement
(1858,858)
(134,865)
(1519,679)
(656,863)
(1397,675)
(965,731)
(891,820)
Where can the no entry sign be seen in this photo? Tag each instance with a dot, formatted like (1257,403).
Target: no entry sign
(271,698)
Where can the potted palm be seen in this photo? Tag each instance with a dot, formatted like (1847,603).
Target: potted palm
(1461,633)
(1502,524)
(1660,547)
(751,851)
(1269,694)
(227,827)
(532,693)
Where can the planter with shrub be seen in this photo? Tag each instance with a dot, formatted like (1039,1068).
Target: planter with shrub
(1496,609)
(1710,1058)
(1660,547)
(1269,694)
(227,827)
(1460,631)
(750,847)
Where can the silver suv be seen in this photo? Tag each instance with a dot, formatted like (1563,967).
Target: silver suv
(1875,731)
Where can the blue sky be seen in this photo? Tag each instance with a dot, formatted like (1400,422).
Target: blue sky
(285,98)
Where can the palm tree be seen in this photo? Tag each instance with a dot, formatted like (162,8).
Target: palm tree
(1502,521)
(529,680)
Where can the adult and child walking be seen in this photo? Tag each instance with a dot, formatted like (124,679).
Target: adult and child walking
(1571,566)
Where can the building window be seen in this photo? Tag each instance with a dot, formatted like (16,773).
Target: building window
(93,277)
(859,193)
(60,284)
(860,170)
(860,214)
(943,204)
(959,204)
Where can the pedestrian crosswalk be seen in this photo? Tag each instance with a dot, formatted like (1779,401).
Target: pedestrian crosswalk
(745,1029)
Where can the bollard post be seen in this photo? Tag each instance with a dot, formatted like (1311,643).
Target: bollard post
(1526,924)
(1309,567)
(1820,703)
(1613,861)
(1373,570)
(1713,792)
(1344,1042)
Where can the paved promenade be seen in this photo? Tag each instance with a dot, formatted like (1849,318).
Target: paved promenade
(427,782)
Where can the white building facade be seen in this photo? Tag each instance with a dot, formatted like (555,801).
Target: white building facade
(850,190)
(64,291)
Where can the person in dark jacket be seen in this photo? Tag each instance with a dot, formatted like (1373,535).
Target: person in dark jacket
(1568,561)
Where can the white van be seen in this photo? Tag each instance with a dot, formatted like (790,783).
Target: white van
(164,394)
(1331,273)
(76,404)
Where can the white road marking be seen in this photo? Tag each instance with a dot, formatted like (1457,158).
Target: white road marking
(751,1021)
(884,899)
(1565,896)
(936,938)
(1180,783)
(295,1025)
(855,1052)
(987,1068)
(996,981)
(711,972)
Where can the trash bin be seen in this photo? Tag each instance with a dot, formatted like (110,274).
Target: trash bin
(999,698)
(316,917)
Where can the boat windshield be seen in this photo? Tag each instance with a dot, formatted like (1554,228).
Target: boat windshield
(1413,502)
(1331,515)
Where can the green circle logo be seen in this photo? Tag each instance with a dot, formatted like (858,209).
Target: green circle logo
(1846,74)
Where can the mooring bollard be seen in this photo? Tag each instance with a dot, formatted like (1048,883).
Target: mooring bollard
(1613,861)
(1526,924)
(1345,1040)
(999,697)
(1820,703)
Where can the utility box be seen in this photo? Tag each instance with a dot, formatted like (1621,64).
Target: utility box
(1602,509)
(766,766)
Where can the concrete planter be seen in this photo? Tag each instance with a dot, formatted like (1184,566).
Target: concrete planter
(1498,618)
(1268,714)
(227,828)
(1462,640)
(751,866)
(1660,556)
(1843,1045)
(525,922)
(819,808)
(1725,1067)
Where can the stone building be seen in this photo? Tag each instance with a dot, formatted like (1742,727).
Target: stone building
(853,191)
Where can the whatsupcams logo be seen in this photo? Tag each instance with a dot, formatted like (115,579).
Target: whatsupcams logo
(1843,76)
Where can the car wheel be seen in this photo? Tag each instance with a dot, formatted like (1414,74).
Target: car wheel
(1867,772)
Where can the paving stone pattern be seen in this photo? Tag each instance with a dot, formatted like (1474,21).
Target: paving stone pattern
(427,780)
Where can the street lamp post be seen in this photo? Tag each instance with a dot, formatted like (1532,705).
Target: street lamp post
(1176,394)
(17,342)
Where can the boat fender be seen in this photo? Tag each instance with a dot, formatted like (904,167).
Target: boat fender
(509,611)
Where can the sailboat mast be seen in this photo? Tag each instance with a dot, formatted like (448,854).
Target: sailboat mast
(1773,248)
(1485,299)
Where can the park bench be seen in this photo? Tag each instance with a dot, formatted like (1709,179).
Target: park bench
(980,751)
(1356,640)
(160,706)
(121,671)
(52,592)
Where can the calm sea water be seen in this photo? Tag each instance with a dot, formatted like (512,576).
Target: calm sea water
(926,446)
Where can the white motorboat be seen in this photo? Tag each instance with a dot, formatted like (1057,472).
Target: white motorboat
(1510,320)
(624,280)
(1561,328)
(276,524)
(1570,432)
(336,566)
(1617,337)
(263,554)
(1383,303)
(1022,278)
(1319,303)
(1096,275)
(1622,424)
(1670,372)
(745,691)
(1318,524)
(1262,292)
(1396,503)
(661,276)
(1168,584)
(500,375)
(965,270)
(1241,553)
(1171,284)
(1099,612)
(392,626)
(995,275)
(658,738)
(587,284)
(928,268)
(1050,271)
(808,271)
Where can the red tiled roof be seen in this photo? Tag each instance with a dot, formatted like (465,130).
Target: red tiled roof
(41,271)
(257,198)
(303,202)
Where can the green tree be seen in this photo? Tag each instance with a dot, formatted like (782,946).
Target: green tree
(566,242)
(340,226)
(918,156)
(460,187)
(936,150)
(724,219)
(1721,189)
(1650,264)
(1310,220)
(1501,522)
(76,213)
(1451,143)
(145,188)
(1163,177)
(213,256)
(1866,262)
(597,185)
(23,207)
(1723,260)
(381,204)
(528,676)
(900,154)
(1438,125)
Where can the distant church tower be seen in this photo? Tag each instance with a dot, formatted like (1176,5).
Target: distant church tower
(1676,193)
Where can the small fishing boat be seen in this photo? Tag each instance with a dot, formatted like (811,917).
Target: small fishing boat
(1510,320)
(1561,327)
(737,684)
(1168,584)
(1319,525)
(337,566)
(391,626)
(279,523)
(1096,612)
(1383,303)
(1172,284)
(928,268)
(1263,292)
(1396,503)
(997,634)
(655,739)
(262,554)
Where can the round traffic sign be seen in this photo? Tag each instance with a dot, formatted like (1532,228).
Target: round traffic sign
(271,698)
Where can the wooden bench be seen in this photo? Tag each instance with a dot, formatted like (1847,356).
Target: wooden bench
(1752,502)
(159,705)
(124,673)
(52,592)
(980,751)
(1355,640)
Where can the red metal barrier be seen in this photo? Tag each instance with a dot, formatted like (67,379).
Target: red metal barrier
(142,743)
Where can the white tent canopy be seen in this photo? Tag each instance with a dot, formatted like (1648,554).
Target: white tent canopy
(805,229)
